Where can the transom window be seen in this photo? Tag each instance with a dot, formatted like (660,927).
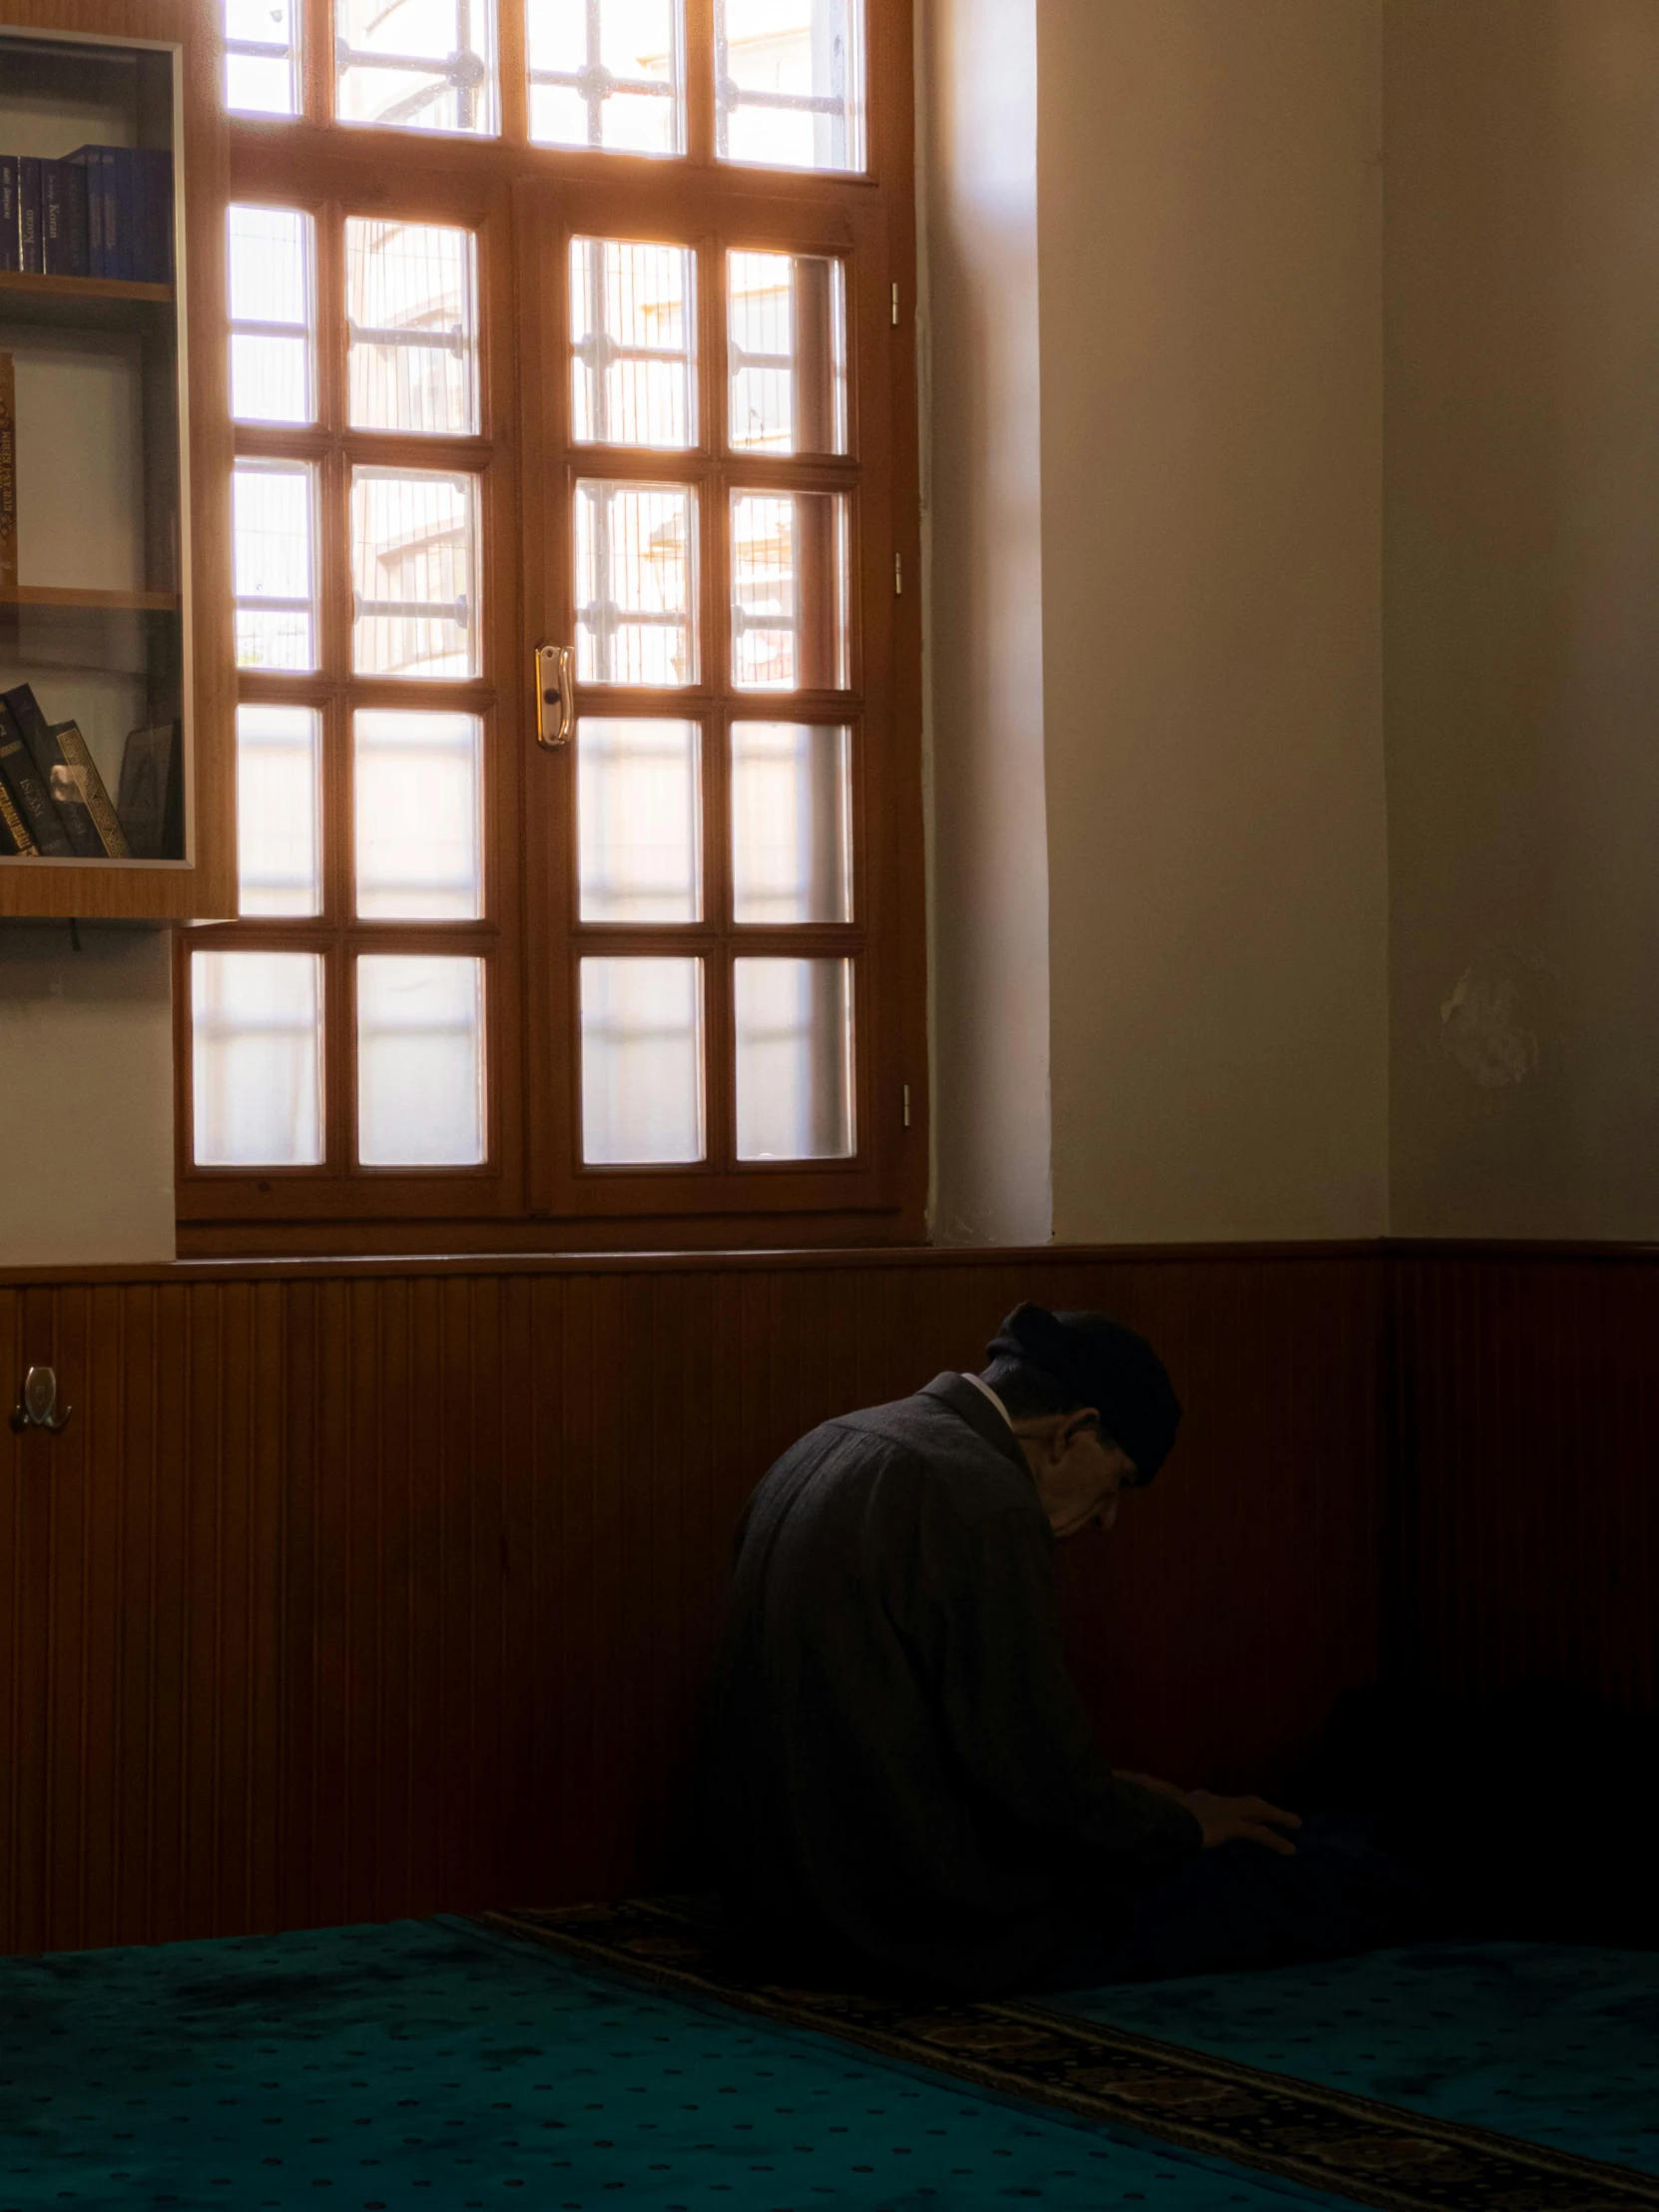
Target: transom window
(567,568)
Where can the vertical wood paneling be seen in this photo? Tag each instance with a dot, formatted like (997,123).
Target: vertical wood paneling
(353,1595)
(1526,1499)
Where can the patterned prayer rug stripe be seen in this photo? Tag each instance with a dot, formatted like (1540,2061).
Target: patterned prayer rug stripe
(1323,2138)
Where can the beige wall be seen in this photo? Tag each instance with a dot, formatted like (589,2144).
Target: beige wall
(1206,722)
(1523,615)
(86,1096)
(982,526)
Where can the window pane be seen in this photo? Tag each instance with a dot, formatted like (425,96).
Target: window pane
(789,79)
(262,57)
(271,315)
(642,1061)
(639,815)
(275,564)
(790,589)
(411,310)
(608,73)
(633,343)
(415,802)
(636,583)
(414,535)
(794,1059)
(787,317)
(258,1059)
(420,1061)
(277,790)
(426,64)
(792,822)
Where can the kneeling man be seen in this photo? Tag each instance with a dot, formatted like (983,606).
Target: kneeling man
(901,1783)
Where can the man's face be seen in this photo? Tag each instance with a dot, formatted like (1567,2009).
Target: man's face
(1078,1475)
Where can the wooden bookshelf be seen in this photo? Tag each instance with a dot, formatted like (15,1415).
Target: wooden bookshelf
(132,602)
(118,615)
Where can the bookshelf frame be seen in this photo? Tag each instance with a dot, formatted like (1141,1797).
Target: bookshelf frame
(200,885)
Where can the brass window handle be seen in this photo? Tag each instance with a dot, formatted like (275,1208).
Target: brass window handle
(555,696)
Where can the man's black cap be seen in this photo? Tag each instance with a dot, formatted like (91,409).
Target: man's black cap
(1109,1367)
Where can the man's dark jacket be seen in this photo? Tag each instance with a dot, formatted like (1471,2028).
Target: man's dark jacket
(898,1764)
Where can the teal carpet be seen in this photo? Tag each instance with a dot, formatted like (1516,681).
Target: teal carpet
(431,2067)
(1552,2043)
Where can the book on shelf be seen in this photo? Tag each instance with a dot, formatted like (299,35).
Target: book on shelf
(63,219)
(14,831)
(72,780)
(29,794)
(11,244)
(8,472)
(93,791)
(28,214)
(150,801)
(103,211)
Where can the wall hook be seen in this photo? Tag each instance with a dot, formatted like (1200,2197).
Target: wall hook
(37,1407)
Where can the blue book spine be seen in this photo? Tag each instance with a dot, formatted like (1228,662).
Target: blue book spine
(84,158)
(116,257)
(63,219)
(11,241)
(28,213)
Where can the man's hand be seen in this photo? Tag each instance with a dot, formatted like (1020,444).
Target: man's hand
(1250,1820)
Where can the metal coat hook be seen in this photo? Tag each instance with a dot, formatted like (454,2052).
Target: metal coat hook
(37,1407)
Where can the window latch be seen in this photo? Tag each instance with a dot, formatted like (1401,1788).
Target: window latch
(555,696)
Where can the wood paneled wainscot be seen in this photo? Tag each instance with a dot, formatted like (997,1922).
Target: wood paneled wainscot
(355,1590)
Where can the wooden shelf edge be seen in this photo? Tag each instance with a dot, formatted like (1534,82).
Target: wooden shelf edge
(129,602)
(157,891)
(28,285)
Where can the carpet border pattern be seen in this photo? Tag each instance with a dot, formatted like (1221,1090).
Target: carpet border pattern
(1325,2139)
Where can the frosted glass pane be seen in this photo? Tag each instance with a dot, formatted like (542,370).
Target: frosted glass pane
(420,1061)
(790,591)
(638,790)
(794,1059)
(411,305)
(262,57)
(792,822)
(273,507)
(608,73)
(787,353)
(636,583)
(642,1061)
(414,573)
(633,343)
(270,255)
(279,751)
(416,807)
(257,1063)
(422,65)
(790,83)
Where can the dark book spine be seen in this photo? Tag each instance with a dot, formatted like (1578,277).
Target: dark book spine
(72,197)
(11,242)
(8,471)
(28,213)
(94,790)
(85,160)
(115,215)
(63,219)
(29,794)
(137,216)
(62,787)
(14,831)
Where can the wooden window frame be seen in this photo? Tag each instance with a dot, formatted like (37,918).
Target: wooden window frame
(525,203)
